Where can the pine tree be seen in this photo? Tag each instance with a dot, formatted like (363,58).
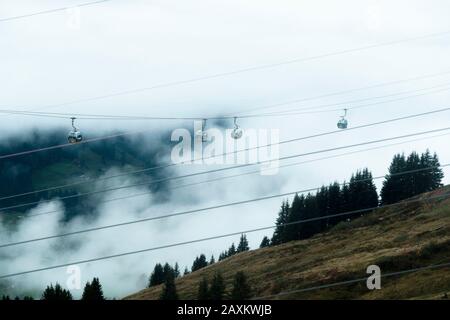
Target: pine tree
(310,211)
(203,290)
(223,255)
(265,242)
(411,176)
(335,203)
(176,270)
(231,250)
(412,186)
(186,271)
(157,276)
(93,291)
(217,289)
(322,199)
(241,288)
(279,235)
(437,174)
(199,263)
(168,271)
(363,192)
(294,215)
(87,291)
(243,244)
(56,293)
(393,185)
(431,178)
(169,291)
(212,260)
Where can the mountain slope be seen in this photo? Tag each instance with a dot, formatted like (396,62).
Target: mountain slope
(71,165)
(403,237)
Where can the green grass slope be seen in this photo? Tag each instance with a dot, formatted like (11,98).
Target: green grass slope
(398,238)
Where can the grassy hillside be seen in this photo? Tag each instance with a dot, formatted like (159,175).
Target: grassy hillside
(398,238)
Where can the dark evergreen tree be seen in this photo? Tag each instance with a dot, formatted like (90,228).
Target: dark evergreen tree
(392,190)
(279,235)
(176,270)
(431,177)
(203,290)
(411,176)
(199,263)
(212,260)
(241,289)
(294,215)
(217,289)
(56,293)
(335,203)
(186,271)
(168,271)
(223,256)
(362,192)
(93,291)
(310,211)
(169,291)
(265,242)
(231,250)
(345,201)
(157,276)
(322,197)
(243,244)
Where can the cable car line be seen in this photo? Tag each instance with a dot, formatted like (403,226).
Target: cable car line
(247,69)
(357,106)
(240,174)
(336,93)
(287,141)
(224,169)
(348,102)
(188,212)
(59,115)
(205,209)
(233,152)
(4,276)
(251,172)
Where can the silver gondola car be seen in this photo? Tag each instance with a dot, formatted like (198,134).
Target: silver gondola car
(343,123)
(74,135)
(237,131)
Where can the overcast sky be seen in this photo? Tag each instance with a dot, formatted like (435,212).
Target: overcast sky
(125,45)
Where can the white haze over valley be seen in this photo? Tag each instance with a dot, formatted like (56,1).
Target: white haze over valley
(126,45)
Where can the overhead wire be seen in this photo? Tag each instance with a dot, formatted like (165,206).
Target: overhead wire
(242,174)
(248,149)
(215,207)
(128,253)
(225,168)
(353,281)
(246,69)
(346,105)
(279,113)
